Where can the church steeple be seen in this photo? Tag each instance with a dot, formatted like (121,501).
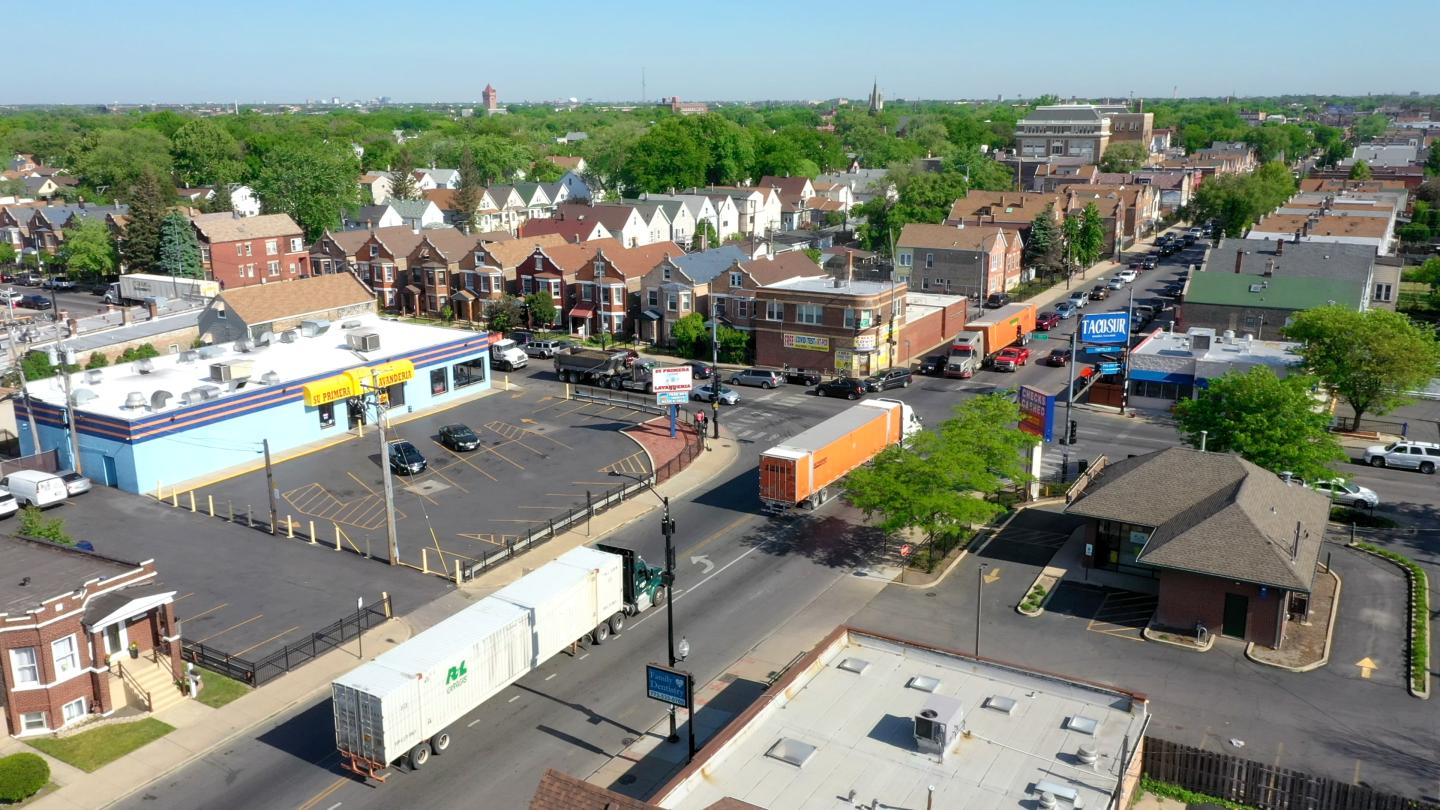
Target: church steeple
(877,101)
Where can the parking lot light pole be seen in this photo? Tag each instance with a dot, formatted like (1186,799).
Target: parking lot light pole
(979,594)
(667,528)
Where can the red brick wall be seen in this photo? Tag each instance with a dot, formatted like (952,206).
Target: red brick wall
(226,267)
(1189,598)
(919,338)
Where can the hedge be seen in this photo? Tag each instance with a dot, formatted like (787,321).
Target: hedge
(22,776)
(1192,798)
(1419,613)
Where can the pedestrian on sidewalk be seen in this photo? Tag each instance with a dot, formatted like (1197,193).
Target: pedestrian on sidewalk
(700,419)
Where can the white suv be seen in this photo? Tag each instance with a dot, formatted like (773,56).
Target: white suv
(1422,456)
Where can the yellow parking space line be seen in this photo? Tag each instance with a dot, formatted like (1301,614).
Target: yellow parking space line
(204,612)
(254,618)
(266,641)
(506,458)
(178,598)
(362,484)
(450,480)
(465,461)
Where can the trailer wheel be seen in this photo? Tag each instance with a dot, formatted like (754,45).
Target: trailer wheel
(440,742)
(617,623)
(600,633)
(661,594)
(419,755)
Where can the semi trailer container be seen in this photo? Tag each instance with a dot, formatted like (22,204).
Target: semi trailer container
(803,470)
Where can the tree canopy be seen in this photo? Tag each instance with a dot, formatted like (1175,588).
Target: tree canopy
(1369,359)
(1237,201)
(89,251)
(179,253)
(314,183)
(1276,423)
(1126,156)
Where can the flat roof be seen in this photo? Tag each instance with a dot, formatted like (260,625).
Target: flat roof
(826,284)
(1021,729)
(305,358)
(37,571)
(1234,349)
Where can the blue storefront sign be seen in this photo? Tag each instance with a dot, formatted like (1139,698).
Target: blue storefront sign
(1105,327)
(667,685)
(1037,412)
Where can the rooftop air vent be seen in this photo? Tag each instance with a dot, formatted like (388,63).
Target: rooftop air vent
(1082,724)
(266,338)
(938,724)
(93,376)
(924,683)
(350,325)
(134,400)
(1088,754)
(232,370)
(145,366)
(269,378)
(288,336)
(791,751)
(159,399)
(366,340)
(210,352)
(242,345)
(208,392)
(1255,288)
(1000,703)
(188,356)
(314,328)
(855,665)
(83,395)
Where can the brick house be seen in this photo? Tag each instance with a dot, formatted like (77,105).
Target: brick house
(973,261)
(568,222)
(553,269)
(432,264)
(1112,208)
(488,272)
(607,287)
(383,262)
(734,291)
(829,323)
(240,251)
(66,625)
(1231,546)
(1010,209)
(680,285)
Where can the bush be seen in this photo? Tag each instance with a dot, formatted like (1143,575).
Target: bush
(1189,797)
(97,360)
(142,352)
(34,524)
(22,776)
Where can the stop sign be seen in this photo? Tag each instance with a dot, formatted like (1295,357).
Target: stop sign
(905,550)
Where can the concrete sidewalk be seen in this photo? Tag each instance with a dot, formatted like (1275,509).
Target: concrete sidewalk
(200,729)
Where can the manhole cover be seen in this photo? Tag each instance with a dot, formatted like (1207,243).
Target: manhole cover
(627,779)
(628,741)
(932,593)
(428,487)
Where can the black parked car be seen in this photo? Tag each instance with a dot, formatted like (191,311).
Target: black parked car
(459,437)
(934,365)
(847,387)
(889,378)
(701,371)
(405,459)
(996,300)
(33,301)
(800,376)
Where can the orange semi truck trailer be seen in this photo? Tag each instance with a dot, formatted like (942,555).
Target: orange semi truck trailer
(802,471)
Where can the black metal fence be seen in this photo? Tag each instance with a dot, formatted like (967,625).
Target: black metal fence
(1256,784)
(48,461)
(291,656)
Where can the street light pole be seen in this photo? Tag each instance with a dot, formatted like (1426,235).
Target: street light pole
(979,603)
(667,528)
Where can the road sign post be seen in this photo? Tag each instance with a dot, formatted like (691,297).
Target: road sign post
(1037,412)
(672,389)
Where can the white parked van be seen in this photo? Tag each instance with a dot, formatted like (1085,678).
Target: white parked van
(35,488)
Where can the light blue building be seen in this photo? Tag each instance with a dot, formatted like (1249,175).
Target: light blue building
(307,354)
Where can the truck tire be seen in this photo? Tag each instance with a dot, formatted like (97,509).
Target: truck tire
(440,743)
(600,633)
(419,755)
(661,594)
(617,624)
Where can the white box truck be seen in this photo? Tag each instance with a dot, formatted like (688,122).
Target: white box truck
(136,288)
(506,355)
(397,707)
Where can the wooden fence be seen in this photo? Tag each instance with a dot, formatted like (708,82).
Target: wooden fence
(1259,785)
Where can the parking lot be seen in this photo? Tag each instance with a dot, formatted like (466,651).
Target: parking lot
(238,590)
(539,456)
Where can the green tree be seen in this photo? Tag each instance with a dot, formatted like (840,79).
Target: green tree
(312,182)
(471,189)
(150,199)
(1432,161)
(689,334)
(22,776)
(668,156)
(1125,156)
(943,480)
(1042,252)
(179,254)
(114,160)
(705,234)
(1414,232)
(734,345)
(89,251)
(206,154)
(544,170)
(1360,170)
(37,366)
(97,360)
(1090,238)
(1271,421)
(1237,201)
(1369,359)
(504,314)
(1070,228)
(7,253)
(1429,191)
(542,308)
(402,177)
(12,188)
(1367,127)
(923,197)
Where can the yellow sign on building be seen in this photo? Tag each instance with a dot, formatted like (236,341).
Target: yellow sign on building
(330,389)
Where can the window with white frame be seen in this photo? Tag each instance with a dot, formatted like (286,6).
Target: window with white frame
(273,268)
(66,655)
(774,310)
(670,302)
(296,245)
(742,308)
(389,297)
(33,721)
(1383,292)
(239,249)
(685,301)
(653,298)
(585,292)
(74,710)
(929,260)
(811,314)
(665,273)
(272,247)
(737,279)
(907,259)
(526,284)
(390,272)
(26,666)
(248,251)
(479,257)
(374,251)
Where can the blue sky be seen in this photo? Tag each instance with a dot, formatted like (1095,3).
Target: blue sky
(273,50)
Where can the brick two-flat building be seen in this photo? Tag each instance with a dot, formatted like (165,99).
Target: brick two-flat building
(973,261)
(240,251)
(67,621)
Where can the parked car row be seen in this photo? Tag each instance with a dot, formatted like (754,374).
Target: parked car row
(39,489)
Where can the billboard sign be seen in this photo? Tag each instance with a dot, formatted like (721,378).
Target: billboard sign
(672,397)
(671,379)
(1037,412)
(1105,327)
(667,685)
(814,343)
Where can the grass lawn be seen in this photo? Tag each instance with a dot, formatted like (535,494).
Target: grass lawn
(219,689)
(89,750)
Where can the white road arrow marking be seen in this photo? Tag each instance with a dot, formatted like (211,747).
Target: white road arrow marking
(705,561)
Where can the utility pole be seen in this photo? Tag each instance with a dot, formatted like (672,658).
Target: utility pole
(1070,395)
(270,485)
(15,360)
(667,528)
(67,361)
(979,602)
(1125,370)
(392,544)
(715,365)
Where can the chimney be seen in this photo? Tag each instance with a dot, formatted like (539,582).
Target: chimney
(1239,261)
(1269,267)
(1305,229)
(1280,247)
(1297,234)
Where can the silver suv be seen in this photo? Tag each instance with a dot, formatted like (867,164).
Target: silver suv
(763,377)
(1422,456)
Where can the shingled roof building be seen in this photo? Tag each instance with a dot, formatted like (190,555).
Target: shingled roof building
(1233,547)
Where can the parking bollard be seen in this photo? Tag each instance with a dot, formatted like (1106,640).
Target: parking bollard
(210,503)
(290,527)
(174,497)
(192,500)
(249,516)
(312,532)
(337,536)
(231,507)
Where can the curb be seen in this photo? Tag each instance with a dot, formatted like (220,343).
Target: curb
(1410,629)
(964,553)
(1048,571)
(1329,637)
(1146,634)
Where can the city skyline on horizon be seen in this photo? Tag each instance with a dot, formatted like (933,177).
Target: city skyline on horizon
(1238,50)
